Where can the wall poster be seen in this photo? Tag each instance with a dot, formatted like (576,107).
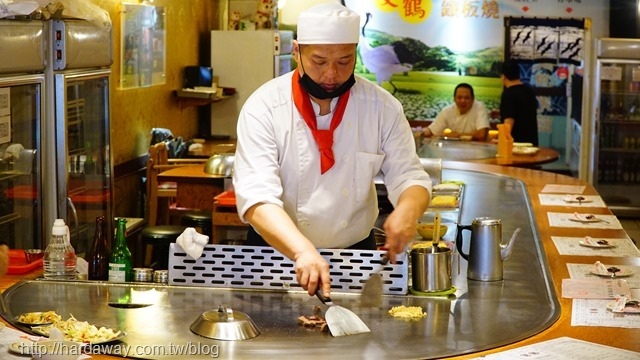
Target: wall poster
(420,50)
(143,46)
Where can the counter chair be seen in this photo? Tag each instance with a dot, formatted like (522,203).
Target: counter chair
(161,195)
(155,244)
(201,220)
(159,233)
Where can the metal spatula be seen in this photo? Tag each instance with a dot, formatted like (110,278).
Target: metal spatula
(372,292)
(341,321)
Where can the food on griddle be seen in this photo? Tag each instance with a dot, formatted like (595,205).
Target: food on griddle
(314,321)
(407,312)
(47,317)
(81,331)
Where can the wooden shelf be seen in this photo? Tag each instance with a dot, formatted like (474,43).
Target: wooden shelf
(184,102)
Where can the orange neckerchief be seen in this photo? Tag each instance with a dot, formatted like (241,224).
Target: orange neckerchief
(324,138)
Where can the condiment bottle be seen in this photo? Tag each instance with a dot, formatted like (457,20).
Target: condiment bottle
(100,254)
(120,260)
(59,260)
(505,141)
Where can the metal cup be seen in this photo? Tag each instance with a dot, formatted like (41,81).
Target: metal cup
(431,270)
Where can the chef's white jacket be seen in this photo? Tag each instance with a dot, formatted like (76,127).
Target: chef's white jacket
(277,161)
(475,119)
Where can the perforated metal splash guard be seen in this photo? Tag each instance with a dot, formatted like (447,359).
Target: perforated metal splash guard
(258,267)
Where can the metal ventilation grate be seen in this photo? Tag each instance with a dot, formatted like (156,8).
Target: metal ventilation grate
(257,267)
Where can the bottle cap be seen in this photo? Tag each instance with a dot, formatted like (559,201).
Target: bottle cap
(59,227)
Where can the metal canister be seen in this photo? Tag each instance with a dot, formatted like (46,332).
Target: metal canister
(142,274)
(431,269)
(161,276)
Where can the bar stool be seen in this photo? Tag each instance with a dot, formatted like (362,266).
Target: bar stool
(155,244)
(198,219)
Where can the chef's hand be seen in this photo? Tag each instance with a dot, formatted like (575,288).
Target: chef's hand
(399,233)
(312,271)
(400,226)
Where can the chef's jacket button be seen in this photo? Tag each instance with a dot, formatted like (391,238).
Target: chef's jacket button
(346,158)
(345,192)
(344,224)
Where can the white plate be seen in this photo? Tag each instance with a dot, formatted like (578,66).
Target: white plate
(583,218)
(574,199)
(22,347)
(597,246)
(522,144)
(525,150)
(627,309)
(622,272)
(32,324)
(42,330)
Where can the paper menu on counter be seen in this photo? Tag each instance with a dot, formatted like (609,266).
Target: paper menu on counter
(563,348)
(571,220)
(564,189)
(569,200)
(571,246)
(595,288)
(9,336)
(594,312)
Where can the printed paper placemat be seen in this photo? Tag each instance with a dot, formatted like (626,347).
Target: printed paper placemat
(623,247)
(571,200)
(565,189)
(563,348)
(581,220)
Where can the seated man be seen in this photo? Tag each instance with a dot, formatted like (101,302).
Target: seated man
(465,117)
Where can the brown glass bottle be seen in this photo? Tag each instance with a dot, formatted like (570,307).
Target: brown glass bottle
(99,256)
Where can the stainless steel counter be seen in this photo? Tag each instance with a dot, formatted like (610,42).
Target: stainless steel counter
(478,316)
(456,149)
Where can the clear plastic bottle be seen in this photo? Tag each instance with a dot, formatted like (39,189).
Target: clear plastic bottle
(59,261)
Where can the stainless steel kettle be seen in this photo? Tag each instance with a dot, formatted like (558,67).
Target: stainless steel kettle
(486,251)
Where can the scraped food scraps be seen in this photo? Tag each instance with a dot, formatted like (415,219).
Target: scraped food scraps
(407,312)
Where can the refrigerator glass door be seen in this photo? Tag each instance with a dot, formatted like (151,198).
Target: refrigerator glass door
(617,165)
(84,174)
(21,102)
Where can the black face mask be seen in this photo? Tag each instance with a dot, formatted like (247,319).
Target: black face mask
(317,91)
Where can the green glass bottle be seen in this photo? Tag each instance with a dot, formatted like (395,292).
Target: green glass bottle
(120,260)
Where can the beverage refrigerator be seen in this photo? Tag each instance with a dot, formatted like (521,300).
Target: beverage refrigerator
(615,159)
(21,125)
(244,60)
(77,76)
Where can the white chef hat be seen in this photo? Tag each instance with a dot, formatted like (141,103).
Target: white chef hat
(328,23)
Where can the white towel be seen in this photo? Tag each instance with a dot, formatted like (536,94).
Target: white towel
(192,242)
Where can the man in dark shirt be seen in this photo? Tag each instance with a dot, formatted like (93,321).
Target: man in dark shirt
(518,105)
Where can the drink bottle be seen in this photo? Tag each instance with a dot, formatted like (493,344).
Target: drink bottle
(59,260)
(100,254)
(120,260)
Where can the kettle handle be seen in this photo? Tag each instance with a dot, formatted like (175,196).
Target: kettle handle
(459,240)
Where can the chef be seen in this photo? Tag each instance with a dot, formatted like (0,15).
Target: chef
(309,145)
